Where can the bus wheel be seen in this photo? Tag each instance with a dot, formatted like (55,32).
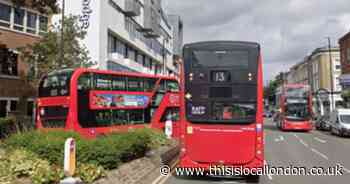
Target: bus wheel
(253,179)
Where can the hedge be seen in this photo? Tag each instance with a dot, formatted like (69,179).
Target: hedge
(108,152)
(10,125)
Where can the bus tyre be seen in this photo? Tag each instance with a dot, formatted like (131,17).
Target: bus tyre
(253,179)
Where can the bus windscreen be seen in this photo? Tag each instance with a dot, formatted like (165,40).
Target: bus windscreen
(226,58)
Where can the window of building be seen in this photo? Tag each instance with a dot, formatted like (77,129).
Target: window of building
(43,24)
(31,22)
(348,55)
(3,108)
(18,19)
(337,67)
(30,108)
(13,106)
(5,15)
(8,63)
(8,105)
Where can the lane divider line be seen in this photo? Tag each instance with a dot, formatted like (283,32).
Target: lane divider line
(320,140)
(303,143)
(344,168)
(319,153)
(162,179)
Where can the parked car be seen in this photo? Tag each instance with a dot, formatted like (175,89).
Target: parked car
(267,114)
(323,123)
(340,122)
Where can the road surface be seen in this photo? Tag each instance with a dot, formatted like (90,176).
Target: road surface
(314,149)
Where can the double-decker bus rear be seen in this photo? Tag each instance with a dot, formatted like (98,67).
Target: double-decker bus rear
(223,100)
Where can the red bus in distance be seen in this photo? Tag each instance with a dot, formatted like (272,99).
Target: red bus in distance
(222,118)
(95,102)
(294,102)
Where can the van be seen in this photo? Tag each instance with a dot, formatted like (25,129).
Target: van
(340,122)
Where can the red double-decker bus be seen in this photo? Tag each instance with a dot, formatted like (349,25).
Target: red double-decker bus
(94,102)
(294,103)
(222,118)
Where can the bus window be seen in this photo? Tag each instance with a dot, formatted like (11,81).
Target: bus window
(172,86)
(120,117)
(103,82)
(230,111)
(84,82)
(136,116)
(135,84)
(55,84)
(173,113)
(162,86)
(119,83)
(150,84)
(103,118)
(53,117)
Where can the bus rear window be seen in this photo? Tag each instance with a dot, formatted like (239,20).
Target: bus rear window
(229,58)
(232,111)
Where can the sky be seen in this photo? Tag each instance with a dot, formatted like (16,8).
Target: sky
(288,30)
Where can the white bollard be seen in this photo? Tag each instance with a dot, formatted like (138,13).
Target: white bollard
(168,128)
(70,162)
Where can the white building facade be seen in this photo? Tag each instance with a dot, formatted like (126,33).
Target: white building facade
(126,35)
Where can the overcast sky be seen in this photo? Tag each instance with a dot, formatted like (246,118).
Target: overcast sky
(287,30)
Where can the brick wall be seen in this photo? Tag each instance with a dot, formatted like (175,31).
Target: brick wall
(344,43)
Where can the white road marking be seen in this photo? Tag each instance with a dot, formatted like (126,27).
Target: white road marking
(320,140)
(319,153)
(295,135)
(344,168)
(303,143)
(281,138)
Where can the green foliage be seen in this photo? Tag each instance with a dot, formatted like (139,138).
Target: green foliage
(108,152)
(21,163)
(45,56)
(47,145)
(90,172)
(11,125)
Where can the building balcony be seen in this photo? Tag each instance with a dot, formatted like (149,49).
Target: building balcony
(127,63)
(132,8)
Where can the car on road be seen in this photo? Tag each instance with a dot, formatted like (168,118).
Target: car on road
(267,114)
(323,123)
(340,122)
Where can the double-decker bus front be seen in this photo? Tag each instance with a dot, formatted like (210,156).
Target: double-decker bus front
(54,100)
(223,121)
(296,108)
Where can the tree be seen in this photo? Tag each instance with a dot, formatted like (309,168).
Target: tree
(44,56)
(43,6)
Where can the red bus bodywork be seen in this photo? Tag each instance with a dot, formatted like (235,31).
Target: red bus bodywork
(292,125)
(169,100)
(206,145)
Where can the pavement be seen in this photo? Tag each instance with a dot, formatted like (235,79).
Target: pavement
(313,149)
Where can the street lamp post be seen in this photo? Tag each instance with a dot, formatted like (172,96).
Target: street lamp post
(331,73)
(62,32)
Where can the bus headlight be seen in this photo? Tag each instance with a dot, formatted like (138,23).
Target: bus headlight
(42,111)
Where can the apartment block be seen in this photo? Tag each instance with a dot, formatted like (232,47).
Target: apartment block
(19,26)
(127,35)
